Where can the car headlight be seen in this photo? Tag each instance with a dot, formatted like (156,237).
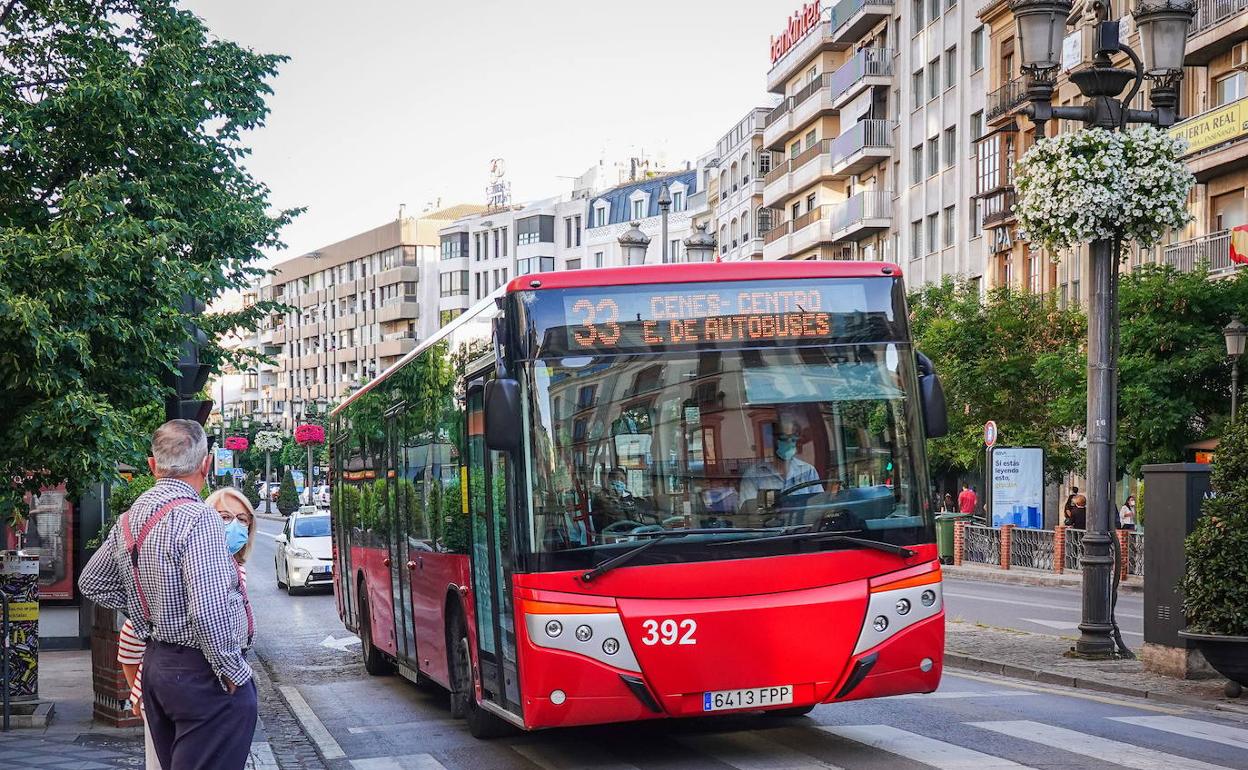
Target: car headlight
(300,553)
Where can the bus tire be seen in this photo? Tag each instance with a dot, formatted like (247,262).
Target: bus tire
(796,711)
(374,662)
(481,723)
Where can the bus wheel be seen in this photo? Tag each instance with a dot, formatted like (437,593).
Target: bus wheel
(481,723)
(796,711)
(374,662)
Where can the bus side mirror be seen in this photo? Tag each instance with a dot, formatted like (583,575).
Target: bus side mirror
(935,415)
(502,415)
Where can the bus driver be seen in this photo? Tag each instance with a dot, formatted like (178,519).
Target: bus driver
(781,471)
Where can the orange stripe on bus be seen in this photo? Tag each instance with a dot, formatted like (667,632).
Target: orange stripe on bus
(918,580)
(532,607)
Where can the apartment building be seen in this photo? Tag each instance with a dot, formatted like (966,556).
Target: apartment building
(870,141)
(1215,94)
(357,306)
(735,169)
(610,212)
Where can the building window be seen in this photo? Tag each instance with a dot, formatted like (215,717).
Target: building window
(597,259)
(933,155)
(764,162)
(933,78)
(951,146)
(951,67)
(639,209)
(546,264)
(567,232)
(1230,88)
(916,164)
(917,13)
(496,251)
(977,49)
(539,229)
(446,316)
(574,264)
(933,10)
(916,87)
(795,149)
(1033,272)
(576,220)
(933,232)
(794,214)
(453,283)
(976,217)
(600,216)
(454,246)
(977,128)
(504,242)
(810,138)
(950,226)
(476,247)
(916,239)
(678,201)
(673,250)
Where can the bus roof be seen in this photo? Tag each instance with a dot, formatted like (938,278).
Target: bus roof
(692,272)
(687,272)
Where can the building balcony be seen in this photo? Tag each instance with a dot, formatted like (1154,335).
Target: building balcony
(866,143)
(869,67)
(998,207)
(398,347)
(851,19)
(861,215)
(792,62)
(1006,99)
(1218,25)
(1217,140)
(1213,249)
(797,111)
(398,274)
(398,307)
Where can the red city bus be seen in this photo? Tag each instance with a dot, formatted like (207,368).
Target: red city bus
(623,494)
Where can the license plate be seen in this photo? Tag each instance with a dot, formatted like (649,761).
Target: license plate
(325,568)
(754,697)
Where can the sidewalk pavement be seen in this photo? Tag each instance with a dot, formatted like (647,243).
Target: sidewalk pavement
(1046,659)
(1031,577)
(72,739)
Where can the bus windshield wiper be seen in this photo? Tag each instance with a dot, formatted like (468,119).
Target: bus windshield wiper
(606,566)
(840,537)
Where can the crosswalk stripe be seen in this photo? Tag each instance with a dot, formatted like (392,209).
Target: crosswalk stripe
(1093,746)
(407,762)
(920,748)
(1192,728)
(750,751)
(960,694)
(562,757)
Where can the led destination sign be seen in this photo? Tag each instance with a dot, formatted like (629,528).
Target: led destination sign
(736,314)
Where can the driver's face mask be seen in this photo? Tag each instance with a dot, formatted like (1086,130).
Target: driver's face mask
(786,447)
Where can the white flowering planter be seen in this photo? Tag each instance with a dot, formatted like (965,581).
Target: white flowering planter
(1098,184)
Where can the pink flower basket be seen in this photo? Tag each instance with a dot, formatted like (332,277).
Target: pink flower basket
(237,443)
(309,435)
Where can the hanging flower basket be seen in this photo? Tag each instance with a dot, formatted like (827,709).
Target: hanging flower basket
(1094,184)
(237,443)
(269,441)
(309,435)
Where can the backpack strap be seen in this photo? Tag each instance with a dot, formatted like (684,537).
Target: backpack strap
(133,545)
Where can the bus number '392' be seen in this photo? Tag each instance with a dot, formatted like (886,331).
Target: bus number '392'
(668,631)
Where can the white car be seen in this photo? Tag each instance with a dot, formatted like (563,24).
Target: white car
(304,553)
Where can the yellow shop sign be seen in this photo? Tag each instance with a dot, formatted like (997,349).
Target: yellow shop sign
(1230,121)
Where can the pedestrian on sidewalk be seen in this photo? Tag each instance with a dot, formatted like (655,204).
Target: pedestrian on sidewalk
(166,565)
(967,499)
(240,529)
(1126,514)
(947,506)
(1068,510)
(1079,511)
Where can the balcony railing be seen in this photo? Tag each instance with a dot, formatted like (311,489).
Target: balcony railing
(866,63)
(1006,98)
(812,87)
(776,173)
(999,207)
(776,233)
(778,111)
(868,204)
(1213,249)
(870,133)
(805,220)
(1210,13)
(808,154)
(845,11)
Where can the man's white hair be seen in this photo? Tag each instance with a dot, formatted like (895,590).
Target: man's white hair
(179,447)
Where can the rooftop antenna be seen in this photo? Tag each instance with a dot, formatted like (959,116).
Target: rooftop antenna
(402,209)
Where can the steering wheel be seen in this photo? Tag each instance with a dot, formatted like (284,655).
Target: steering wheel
(790,490)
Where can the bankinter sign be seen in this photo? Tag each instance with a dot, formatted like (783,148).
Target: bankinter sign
(802,22)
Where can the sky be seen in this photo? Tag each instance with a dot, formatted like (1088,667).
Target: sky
(385,102)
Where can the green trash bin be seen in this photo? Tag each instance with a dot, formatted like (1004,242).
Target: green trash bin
(944,534)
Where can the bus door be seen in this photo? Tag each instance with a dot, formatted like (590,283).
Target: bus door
(338,453)
(397,507)
(489,500)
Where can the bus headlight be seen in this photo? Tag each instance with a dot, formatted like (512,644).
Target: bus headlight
(897,602)
(611,646)
(584,633)
(903,606)
(553,628)
(546,620)
(880,624)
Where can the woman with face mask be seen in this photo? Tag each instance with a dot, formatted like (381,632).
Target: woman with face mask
(240,529)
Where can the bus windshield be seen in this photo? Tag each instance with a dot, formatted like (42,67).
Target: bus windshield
(752,441)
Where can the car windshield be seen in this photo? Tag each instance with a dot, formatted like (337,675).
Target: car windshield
(312,526)
(784,439)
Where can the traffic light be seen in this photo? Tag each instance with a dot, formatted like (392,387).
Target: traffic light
(192,375)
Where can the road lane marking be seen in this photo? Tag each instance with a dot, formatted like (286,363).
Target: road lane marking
(312,724)
(920,748)
(1066,692)
(959,694)
(750,751)
(340,645)
(1093,746)
(1058,625)
(1192,728)
(574,755)
(400,726)
(261,757)
(406,762)
(1034,605)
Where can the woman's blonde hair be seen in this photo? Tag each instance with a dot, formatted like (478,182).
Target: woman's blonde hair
(219,496)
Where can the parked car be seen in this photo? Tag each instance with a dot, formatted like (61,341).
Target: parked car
(320,496)
(304,557)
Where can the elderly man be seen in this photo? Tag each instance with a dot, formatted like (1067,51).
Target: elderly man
(165,564)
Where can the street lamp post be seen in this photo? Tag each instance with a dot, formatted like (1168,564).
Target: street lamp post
(700,247)
(633,242)
(665,204)
(1235,334)
(1162,25)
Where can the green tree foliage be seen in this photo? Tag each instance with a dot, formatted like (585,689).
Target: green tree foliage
(287,497)
(251,490)
(122,189)
(1174,382)
(1215,587)
(1015,358)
